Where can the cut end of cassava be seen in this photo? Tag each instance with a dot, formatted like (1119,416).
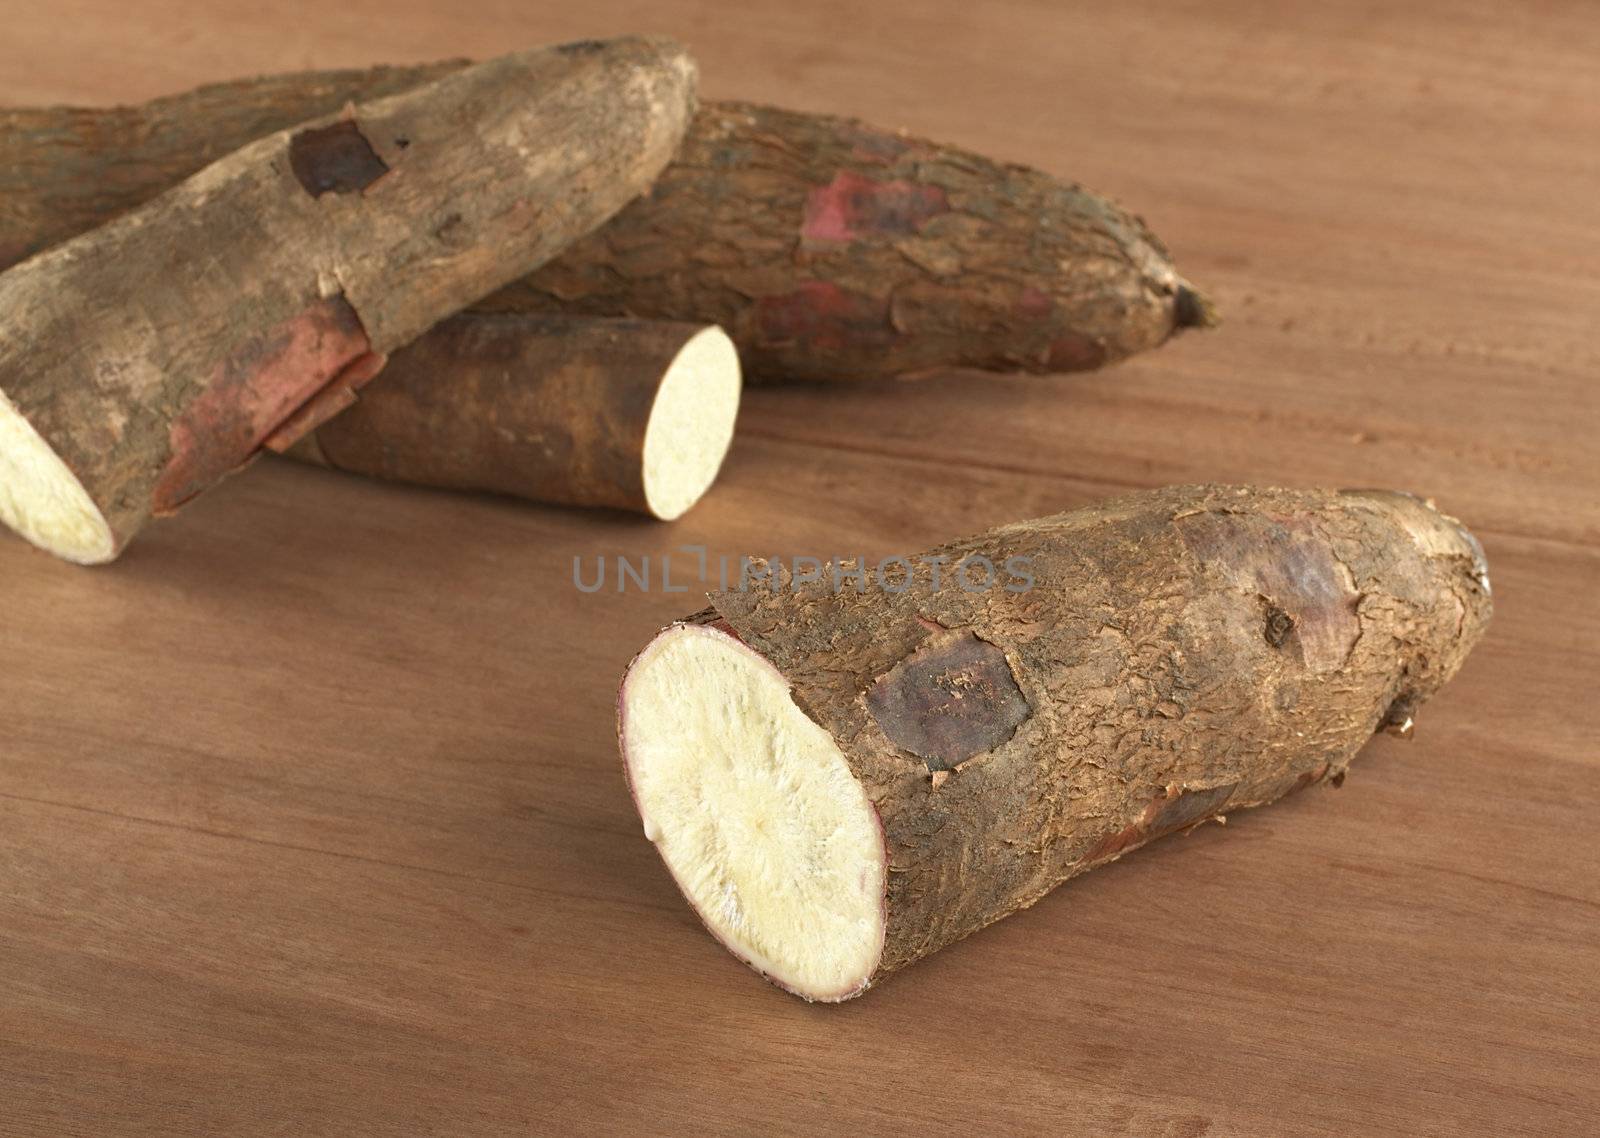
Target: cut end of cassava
(691,423)
(755,811)
(41,499)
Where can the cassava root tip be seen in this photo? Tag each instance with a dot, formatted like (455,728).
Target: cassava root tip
(1191,309)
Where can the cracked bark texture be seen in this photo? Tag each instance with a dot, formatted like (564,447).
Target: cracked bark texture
(1181,654)
(163,350)
(829,250)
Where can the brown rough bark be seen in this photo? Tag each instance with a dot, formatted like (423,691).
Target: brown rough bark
(160,352)
(552,408)
(830,250)
(1180,655)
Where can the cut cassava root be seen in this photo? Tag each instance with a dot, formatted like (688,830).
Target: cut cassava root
(844,781)
(828,249)
(756,812)
(632,414)
(144,360)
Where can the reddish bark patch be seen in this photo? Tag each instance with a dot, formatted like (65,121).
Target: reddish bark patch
(337,396)
(1116,842)
(259,386)
(853,206)
(1034,303)
(1166,814)
(822,316)
(335,159)
(1074,352)
(950,701)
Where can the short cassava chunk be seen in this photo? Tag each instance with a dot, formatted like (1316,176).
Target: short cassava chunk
(844,781)
(143,360)
(828,249)
(633,414)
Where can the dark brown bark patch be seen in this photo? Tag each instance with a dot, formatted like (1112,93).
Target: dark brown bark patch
(1397,720)
(1181,809)
(335,159)
(950,701)
(1279,625)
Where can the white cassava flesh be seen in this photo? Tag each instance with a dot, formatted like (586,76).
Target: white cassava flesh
(691,423)
(755,812)
(43,500)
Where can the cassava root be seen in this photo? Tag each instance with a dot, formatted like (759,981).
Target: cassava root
(844,781)
(144,360)
(828,249)
(631,414)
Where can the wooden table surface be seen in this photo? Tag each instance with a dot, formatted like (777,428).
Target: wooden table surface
(311,820)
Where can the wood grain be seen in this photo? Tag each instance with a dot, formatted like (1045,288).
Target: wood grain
(310,815)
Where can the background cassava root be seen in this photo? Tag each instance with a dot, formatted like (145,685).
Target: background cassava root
(1181,654)
(630,414)
(828,249)
(288,269)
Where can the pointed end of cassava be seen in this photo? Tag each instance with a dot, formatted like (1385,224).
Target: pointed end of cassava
(1435,532)
(755,811)
(691,423)
(663,64)
(43,500)
(1191,309)
(1464,602)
